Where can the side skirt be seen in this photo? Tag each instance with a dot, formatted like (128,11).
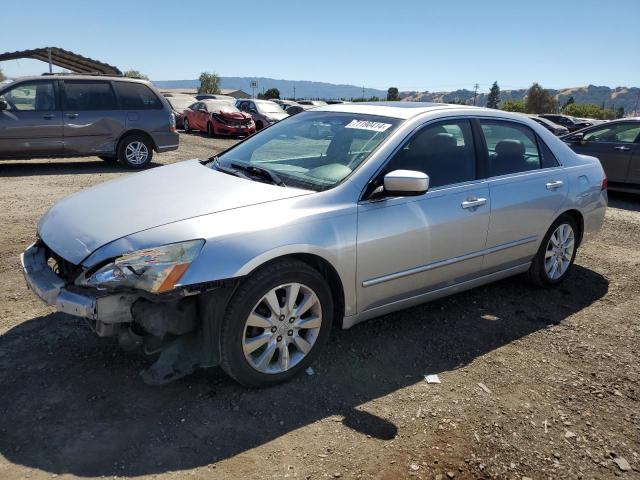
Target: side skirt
(352,320)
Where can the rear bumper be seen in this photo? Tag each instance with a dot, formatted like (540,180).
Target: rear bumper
(166,141)
(53,291)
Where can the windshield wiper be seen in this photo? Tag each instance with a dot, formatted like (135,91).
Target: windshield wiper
(231,171)
(262,172)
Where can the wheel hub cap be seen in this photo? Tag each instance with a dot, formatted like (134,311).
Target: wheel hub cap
(559,251)
(282,328)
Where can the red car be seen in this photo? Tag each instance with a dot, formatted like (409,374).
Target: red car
(218,117)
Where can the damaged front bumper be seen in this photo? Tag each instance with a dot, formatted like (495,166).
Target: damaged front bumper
(107,309)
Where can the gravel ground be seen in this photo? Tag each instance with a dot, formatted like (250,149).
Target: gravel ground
(535,383)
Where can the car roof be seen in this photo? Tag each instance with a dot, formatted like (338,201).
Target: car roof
(402,110)
(65,76)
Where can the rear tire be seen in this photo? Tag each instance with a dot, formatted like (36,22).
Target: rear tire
(187,127)
(291,328)
(259,125)
(135,152)
(556,254)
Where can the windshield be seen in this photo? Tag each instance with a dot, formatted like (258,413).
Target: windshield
(269,107)
(313,150)
(180,103)
(220,106)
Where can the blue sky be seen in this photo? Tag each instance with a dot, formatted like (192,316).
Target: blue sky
(414,45)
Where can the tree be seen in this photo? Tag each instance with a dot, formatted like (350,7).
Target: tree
(569,101)
(457,101)
(540,100)
(271,93)
(2,77)
(589,110)
(493,100)
(209,83)
(620,112)
(393,94)
(513,106)
(135,74)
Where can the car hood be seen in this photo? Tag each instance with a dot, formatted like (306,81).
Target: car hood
(232,115)
(276,115)
(87,220)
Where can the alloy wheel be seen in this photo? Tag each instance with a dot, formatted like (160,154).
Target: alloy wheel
(559,253)
(136,153)
(282,328)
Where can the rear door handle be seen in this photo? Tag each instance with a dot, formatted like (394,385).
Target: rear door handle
(624,149)
(555,184)
(48,116)
(473,202)
(72,115)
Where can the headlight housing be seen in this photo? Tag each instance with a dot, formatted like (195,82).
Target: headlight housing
(155,270)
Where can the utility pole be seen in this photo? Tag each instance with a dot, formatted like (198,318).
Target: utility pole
(363,93)
(635,110)
(294,92)
(475,93)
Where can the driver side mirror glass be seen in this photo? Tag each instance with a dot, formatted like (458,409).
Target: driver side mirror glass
(405,183)
(578,137)
(3,105)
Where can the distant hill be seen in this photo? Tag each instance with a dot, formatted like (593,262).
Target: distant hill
(303,88)
(626,97)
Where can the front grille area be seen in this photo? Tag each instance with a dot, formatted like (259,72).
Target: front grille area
(61,267)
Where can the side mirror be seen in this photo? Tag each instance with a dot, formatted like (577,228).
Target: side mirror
(578,137)
(202,110)
(253,110)
(406,183)
(3,105)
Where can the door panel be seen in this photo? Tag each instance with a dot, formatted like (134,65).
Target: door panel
(523,206)
(634,165)
(408,246)
(92,120)
(614,157)
(32,125)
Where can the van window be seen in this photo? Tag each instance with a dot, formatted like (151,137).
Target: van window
(88,95)
(31,96)
(137,96)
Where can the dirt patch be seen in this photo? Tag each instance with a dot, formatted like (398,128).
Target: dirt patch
(560,369)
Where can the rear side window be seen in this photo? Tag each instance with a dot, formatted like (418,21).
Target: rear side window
(88,95)
(549,160)
(511,148)
(444,151)
(137,96)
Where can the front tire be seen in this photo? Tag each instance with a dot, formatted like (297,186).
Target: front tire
(276,324)
(210,130)
(187,127)
(135,152)
(556,254)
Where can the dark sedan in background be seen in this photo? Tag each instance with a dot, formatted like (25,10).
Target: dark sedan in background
(554,128)
(571,123)
(617,145)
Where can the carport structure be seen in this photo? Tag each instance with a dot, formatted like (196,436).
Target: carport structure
(64,59)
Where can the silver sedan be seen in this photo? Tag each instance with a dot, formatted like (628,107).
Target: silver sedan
(328,218)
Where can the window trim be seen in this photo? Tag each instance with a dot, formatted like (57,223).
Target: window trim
(63,96)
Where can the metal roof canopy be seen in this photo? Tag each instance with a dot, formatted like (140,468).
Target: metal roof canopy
(64,59)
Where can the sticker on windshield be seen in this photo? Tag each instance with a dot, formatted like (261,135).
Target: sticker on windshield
(366,125)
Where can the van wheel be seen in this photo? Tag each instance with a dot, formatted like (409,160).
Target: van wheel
(135,152)
(276,324)
(556,254)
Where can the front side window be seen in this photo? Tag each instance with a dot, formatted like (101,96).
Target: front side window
(88,95)
(621,133)
(313,150)
(31,96)
(444,151)
(137,96)
(511,148)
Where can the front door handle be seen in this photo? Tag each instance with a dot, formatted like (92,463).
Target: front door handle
(473,202)
(72,115)
(554,184)
(621,148)
(48,116)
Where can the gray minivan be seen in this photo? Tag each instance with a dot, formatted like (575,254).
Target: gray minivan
(114,118)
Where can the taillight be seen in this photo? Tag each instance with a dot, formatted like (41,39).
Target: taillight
(172,122)
(603,187)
